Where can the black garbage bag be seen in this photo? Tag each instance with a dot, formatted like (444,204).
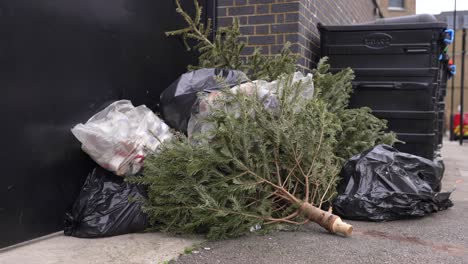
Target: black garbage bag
(384,184)
(179,99)
(103,207)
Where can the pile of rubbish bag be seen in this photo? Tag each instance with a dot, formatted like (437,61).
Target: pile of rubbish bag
(266,91)
(118,139)
(181,98)
(377,185)
(106,206)
(383,184)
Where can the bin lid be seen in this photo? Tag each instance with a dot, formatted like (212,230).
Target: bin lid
(421,18)
(422,21)
(373,27)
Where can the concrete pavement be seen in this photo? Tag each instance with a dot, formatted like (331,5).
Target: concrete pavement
(149,248)
(439,238)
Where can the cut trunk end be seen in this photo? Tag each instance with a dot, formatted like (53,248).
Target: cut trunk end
(341,227)
(327,220)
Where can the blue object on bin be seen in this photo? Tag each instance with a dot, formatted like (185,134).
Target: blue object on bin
(453,69)
(451,34)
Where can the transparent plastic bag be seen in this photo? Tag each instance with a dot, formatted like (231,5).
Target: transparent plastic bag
(181,97)
(266,91)
(120,137)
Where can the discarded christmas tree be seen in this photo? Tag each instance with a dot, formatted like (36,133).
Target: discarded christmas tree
(259,167)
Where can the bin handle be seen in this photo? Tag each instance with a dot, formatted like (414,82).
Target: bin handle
(416,50)
(378,85)
(391,85)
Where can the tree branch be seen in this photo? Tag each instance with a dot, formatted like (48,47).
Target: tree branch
(322,132)
(278,174)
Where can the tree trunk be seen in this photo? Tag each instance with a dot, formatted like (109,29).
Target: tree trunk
(327,220)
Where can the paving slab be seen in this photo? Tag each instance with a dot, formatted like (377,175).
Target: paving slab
(148,248)
(439,238)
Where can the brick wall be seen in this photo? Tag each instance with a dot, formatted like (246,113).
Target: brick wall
(409,8)
(270,23)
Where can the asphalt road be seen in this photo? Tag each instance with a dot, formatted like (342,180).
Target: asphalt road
(439,238)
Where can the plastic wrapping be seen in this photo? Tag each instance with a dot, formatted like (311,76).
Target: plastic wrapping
(383,184)
(178,100)
(120,137)
(266,91)
(106,206)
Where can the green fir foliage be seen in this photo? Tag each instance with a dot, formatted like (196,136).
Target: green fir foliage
(226,185)
(360,129)
(225,50)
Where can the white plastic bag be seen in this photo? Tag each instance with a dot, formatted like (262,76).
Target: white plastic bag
(266,91)
(120,137)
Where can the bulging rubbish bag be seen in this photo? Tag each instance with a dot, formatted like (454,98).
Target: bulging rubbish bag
(120,137)
(106,206)
(384,184)
(267,92)
(178,100)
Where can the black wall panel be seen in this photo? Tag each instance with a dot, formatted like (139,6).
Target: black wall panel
(60,62)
